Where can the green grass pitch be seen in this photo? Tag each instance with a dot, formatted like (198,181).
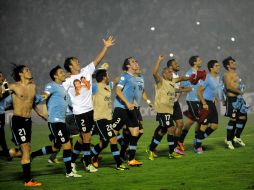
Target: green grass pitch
(218,168)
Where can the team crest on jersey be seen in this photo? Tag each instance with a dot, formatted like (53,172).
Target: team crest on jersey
(122,78)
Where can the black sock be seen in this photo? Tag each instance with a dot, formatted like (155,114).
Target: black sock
(125,143)
(116,154)
(133,147)
(199,139)
(120,139)
(87,153)
(27,171)
(231,130)
(67,160)
(76,151)
(196,133)
(239,127)
(171,144)
(43,151)
(155,141)
(183,135)
(156,131)
(96,150)
(176,139)
(208,132)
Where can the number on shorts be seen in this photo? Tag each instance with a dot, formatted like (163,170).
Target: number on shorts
(167,117)
(82,122)
(109,127)
(60,133)
(22,132)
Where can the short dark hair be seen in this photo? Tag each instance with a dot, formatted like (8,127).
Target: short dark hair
(99,74)
(226,62)
(67,63)
(125,63)
(211,64)
(53,72)
(169,63)
(193,59)
(16,70)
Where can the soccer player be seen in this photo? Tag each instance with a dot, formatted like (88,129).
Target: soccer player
(103,116)
(236,108)
(124,112)
(177,111)
(82,103)
(140,94)
(23,93)
(208,92)
(163,104)
(56,97)
(191,99)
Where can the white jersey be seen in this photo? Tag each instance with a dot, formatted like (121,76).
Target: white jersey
(177,85)
(81,102)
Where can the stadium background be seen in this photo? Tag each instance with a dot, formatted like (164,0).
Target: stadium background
(41,34)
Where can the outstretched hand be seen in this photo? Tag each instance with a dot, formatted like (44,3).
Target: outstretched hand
(110,41)
(161,57)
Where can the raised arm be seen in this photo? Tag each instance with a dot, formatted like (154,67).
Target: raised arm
(107,43)
(156,76)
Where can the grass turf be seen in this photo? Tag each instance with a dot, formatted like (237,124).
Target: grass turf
(218,168)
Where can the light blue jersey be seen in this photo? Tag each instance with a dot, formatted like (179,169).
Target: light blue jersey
(128,84)
(140,86)
(56,103)
(212,87)
(192,95)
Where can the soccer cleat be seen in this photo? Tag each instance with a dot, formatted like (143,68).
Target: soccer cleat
(174,155)
(239,141)
(199,150)
(73,166)
(95,162)
(150,154)
(230,145)
(134,163)
(181,146)
(91,169)
(55,161)
(122,167)
(32,183)
(179,151)
(72,174)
